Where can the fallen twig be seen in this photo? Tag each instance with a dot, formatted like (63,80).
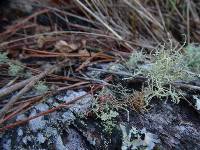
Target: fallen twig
(186,86)
(33,81)
(7,90)
(122,73)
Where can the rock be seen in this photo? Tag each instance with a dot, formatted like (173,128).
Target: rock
(20,117)
(7,144)
(41,138)
(74,141)
(24,6)
(20,132)
(50,131)
(50,101)
(68,117)
(37,123)
(82,105)
(26,139)
(59,143)
(42,107)
(72,95)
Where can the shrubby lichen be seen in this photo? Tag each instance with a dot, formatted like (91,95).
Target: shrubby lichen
(167,66)
(134,59)
(193,57)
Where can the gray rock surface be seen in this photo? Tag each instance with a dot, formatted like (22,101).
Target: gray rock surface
(51,130)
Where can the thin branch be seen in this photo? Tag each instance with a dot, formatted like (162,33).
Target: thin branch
(7,90)
(186,86)
(33,81)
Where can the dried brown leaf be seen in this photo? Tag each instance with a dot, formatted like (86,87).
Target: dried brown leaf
(65,47)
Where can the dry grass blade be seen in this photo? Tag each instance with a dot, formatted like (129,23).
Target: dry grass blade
(143,13)
(54,33)
(103,22)
(160,13)
(99,19)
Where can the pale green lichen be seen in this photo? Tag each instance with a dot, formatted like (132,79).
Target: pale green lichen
(132,139)
(15,69)
(104,110)
(3,58)
(167,65)
(134,59)
(41,88)
(107,117)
